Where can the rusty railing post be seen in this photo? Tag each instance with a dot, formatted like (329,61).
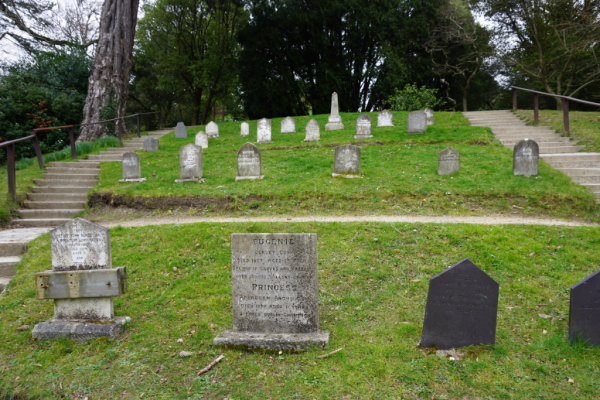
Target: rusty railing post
(72,140)
(120,131)
(138,126)
(38,150)
(566,116)
(10,171)
(535,109)
(159,126)
(514,94)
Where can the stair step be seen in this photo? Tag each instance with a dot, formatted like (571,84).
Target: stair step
(7,266)
(48,214)
(43,222)
(62,189)
(593,187)
(78,164)
(560,149)
(71,176)
(3,283)
(580,171)
(57,196)
(12,249)
(538,140)
(574,164)
(54,205)
(586,179)
(66,183)
(97,157)
(73,171)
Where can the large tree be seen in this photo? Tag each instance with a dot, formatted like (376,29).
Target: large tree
(109,82)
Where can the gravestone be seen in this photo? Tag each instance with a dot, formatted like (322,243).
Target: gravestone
(417,122)
(526,156)
(131,168)
(364,127)
(150,144)
(249,162)
(462,308)
(347,161)
(313,131)
(82,284)
(429,113)
(275,292)
(264,131)
(288,125)
(212,130)
(245,130)
(334,122)
(180,131)
(448,161)
(385,118)
(201,140)
(584,310)
(190,164)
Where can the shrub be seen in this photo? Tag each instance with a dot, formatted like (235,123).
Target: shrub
(412,98)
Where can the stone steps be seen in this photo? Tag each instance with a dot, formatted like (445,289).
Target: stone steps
(54,205)
(49,213)
(62,190)
(13,244)
(52,175)
(550,158)
(65,183)
(73,171)
(7,266)
(45,222)
(105,157)
(70,165)
(57,196)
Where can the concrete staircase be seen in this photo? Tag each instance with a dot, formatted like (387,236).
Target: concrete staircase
(13,244)
(62,192)
(560,152)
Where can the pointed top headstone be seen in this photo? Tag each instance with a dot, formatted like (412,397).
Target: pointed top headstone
(313,131)
(80,245)
(334,121)
(335,107)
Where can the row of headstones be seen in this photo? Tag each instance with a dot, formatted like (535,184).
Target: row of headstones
(275,294)
(346,161)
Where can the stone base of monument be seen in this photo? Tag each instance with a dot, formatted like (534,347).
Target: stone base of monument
(79,330)
(346,176)
(273,341)
(200,180)
(241,178)
(362,137)
(132,180)
(334,126)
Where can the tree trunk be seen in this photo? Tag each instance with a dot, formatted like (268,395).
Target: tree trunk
(465,93)
(109,81)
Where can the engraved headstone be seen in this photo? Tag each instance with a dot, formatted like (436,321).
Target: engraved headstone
(347,161)
(212,130)
(448,161)
(429,113)
(364,127)
(584,310)
(275,292)
(180,131)
(150,144)
(263,131)
(526,156)
(245,129)
(417,122)
(288,125)
(462,308)
(249,163)
(201,140)
(82,284)
(313,131)
(385,118)
(190,163)
(334,121)
(131,168)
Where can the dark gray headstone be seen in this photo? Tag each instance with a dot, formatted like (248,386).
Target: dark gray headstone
(347,161)
(584,310)
(313,131)
(385,118)
(150,144)
(448,161)
(364,127)
(180,131)
(190,163)
(417,122)
(288,125)
(526,156)
(275,291)
(462,306)
(131,166)
(249,162)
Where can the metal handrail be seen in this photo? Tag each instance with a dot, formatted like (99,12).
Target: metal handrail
(565,103)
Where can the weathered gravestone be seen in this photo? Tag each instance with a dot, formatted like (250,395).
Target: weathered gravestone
(462,306)
(131,168)
(82,284)
(263,130)
(334,122)
(249,163)
(526,156)
(313,131)
(429,113)
(448,161)
(385,118)
(201,140)
(190,164)
(180,131)
(245,129)
(364,127)
(417,122)
(212,130)
(150,144)
(347,161)
(584,310)
(275,292)
(288,125)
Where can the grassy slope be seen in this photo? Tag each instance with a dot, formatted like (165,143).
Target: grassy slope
(372,298)
(398,174)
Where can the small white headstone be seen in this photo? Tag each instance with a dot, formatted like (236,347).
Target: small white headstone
(245,130)
(288,125)
(264,131)
(202,140)
(190,163)
(385,118)
(313,131)
(212,130)
(364,127)
(429,113)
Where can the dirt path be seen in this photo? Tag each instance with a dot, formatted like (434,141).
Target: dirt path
(488,220)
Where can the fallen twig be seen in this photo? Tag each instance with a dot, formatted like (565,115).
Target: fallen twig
(212,364)
(394,228)
(328,354)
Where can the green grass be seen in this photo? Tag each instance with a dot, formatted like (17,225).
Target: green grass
(372,297)
(584,126)
(399,176)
